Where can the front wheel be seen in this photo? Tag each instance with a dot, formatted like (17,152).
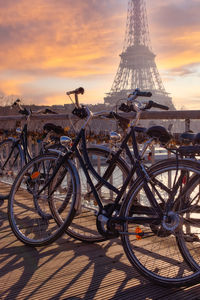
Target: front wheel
(83,226)
(151,246)
(31,203)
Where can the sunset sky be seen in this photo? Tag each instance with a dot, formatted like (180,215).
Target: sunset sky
(51,46)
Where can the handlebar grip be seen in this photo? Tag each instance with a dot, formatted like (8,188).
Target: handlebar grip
(77,91)
(157,105)
(144,94)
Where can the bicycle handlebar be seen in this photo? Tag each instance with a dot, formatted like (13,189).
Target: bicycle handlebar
(84,112)
(143,94)
(26,112)
(77,91)
(128,108)
(22,110)
(137,93)
(151,104)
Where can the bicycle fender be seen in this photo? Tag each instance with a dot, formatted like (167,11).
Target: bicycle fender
(78,186)
(11,139)
(100,147)
(57,151)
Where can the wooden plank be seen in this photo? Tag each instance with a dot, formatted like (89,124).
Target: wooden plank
(69,269)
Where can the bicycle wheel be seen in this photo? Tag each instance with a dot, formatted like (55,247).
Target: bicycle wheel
(152,247)
(29,206)
(11,161)
(188,207)
(83,226)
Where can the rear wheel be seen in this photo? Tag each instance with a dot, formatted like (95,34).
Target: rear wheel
(31,204)
(151,246)
(189,209)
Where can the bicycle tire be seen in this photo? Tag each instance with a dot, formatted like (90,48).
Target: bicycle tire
(83,226)
(58,150)
(9,169)
(189,208)
(27,224)
(158,251)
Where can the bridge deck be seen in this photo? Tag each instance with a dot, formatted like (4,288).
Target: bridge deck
(70,269)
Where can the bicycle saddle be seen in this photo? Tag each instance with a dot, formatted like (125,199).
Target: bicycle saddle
(160,133)
(188,136)
(52,127)
(197,138)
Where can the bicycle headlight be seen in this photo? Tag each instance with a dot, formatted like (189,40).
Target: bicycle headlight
(114,136)
(65,141)
(18,130)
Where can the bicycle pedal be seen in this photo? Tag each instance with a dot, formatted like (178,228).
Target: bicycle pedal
(191,238)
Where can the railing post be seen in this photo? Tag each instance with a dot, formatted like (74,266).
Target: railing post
(187,125)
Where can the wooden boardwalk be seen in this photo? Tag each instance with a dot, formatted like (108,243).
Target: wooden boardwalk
(70,269)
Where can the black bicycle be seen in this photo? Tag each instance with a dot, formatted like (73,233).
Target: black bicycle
(156,216)
(14,152)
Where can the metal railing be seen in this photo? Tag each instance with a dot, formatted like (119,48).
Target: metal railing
(8,122)
(36,122)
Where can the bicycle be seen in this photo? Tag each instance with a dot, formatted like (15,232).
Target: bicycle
(14,152)
(83,226)
(155,220)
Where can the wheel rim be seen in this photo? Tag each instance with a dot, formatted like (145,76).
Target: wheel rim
(158,256)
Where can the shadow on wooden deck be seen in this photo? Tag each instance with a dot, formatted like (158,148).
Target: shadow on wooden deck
(69,269)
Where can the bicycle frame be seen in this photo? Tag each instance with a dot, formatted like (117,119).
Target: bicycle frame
(23,141)
(137,167)
(21,144)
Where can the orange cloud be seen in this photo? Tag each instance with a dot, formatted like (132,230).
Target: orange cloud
(48,36)
(44,42)
(64,40)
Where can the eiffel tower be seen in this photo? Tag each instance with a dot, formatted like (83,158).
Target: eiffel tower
(137,68)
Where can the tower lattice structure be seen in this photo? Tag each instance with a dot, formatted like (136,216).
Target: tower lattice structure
(137,68)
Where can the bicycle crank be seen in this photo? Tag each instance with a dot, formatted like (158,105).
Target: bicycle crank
(103,223)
